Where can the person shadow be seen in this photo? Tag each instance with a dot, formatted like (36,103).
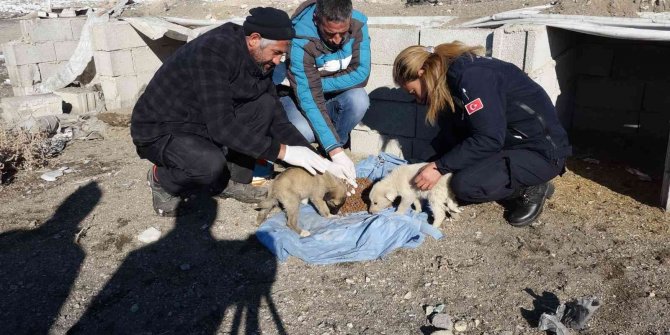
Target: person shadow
(546,303)
(186,283)
(39,266)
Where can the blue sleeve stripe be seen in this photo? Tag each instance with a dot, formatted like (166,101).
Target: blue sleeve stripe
(356,77)
(306,98)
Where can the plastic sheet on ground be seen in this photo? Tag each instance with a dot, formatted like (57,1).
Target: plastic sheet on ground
(356,237)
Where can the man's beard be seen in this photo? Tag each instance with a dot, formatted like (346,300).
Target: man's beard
(258,56)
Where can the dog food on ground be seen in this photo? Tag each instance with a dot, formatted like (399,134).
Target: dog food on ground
(359,201)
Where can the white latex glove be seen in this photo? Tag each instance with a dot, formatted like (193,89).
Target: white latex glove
(308,159)
(344,168)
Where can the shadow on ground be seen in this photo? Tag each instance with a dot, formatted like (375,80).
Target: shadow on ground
(39,266)
(186,283)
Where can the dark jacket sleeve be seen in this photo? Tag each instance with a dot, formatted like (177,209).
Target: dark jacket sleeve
(210,74)
(487,125)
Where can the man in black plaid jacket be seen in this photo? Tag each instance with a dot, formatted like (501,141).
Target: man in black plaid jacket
(212,110)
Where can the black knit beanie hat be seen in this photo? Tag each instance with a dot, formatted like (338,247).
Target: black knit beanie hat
(270,23)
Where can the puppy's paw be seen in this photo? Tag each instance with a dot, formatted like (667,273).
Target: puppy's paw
(454,216)
(458,210)
(305,233)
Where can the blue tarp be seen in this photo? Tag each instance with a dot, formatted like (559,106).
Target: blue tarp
(354,237)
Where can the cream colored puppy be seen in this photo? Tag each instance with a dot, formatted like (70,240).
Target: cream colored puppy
(400,183)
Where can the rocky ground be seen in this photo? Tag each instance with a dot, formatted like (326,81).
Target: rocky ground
(70,253)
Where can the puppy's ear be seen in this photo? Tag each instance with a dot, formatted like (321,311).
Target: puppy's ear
(390,196)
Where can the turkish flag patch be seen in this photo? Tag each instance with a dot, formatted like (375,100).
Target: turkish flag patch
(474,106)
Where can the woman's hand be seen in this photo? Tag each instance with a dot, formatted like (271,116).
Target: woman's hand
(427,177)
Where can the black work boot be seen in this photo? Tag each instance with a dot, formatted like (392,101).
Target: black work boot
(165,204)
(527,207)
(244,192)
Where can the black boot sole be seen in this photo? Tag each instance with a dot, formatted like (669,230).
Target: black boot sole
(547,195)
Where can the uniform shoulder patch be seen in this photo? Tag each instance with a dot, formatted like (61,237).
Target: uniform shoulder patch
(474,106)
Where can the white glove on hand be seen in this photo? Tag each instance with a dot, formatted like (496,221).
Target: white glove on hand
(344,168)
(308,159)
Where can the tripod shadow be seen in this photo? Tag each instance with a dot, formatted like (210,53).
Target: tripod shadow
(185,283)
(39,266)
(546,303)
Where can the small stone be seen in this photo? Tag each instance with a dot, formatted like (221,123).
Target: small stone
(477,323)
(185,267)
(442,321)
(350,325)
(407,296)
(150,235)
(243,6)
(349,281)
(461,326)
(439,308)
(652,294)
(478,235)
(367,279)
(426,285)
(134,308)
(52,175)
(429,310)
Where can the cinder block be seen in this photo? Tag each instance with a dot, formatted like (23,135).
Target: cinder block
(657,97)
(23,91)
(469,36)
(77,26)
(547,78)
(422,150)
(114,63)
(607,93)
(392,118)
(386,44)
(423,129)
(145,60)
(42,30)
(115,35)
(48,70)
(26,27)
(78,100)
(396,145)
(19,53)
(23,75)
(509,44)
(366,142)
(655,125)
(381,86)
(630,64)
(370,142)
(143,79)
(538,50)
(65,49)
(15,109)
(119,91)
(595,60)
(605,120)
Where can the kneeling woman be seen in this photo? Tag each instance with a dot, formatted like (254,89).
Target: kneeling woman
(503,139)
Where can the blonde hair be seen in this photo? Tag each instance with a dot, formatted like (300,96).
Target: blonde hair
(435,63)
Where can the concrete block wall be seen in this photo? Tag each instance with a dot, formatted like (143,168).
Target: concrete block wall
(395,123)
(618,93)
(126,61)
(45,45)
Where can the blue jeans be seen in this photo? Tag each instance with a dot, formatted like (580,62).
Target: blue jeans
(345,110)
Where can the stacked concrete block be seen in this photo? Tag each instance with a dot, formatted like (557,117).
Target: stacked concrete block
(509,44)
(79,100)
(386,44)
(16,109)
(126,61)
(469,36)
(46,45)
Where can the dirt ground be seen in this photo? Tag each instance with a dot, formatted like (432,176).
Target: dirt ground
(71,259)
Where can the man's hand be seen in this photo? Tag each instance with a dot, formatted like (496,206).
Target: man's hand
(303,157)
(427,177)
(343,167)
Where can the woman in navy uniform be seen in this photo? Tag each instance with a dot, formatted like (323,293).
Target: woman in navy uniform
(503,140)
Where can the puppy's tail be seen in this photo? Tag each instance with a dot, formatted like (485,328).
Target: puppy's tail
(265,207)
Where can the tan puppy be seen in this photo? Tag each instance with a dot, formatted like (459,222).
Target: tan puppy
(400,183)
(293,186)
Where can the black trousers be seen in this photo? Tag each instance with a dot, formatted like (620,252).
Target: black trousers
(500,175)
(188,162)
